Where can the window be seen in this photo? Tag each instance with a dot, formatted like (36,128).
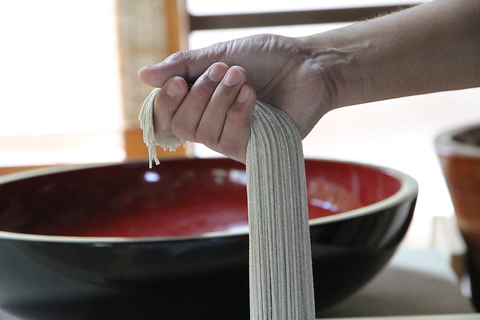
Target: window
(60,99)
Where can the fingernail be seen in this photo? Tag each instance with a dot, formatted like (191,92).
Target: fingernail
(216,73)
(233,77)
(174,88)
(243,95)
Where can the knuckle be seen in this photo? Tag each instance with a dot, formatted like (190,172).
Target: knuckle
(225,148)
(162,129)
(230,149)
(164,104)
(207,138)
(178,56)
(238,116)
(182,131)
(225,93)
(203,89)
(204,92)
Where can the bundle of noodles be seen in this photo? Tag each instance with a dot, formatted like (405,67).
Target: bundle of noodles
(171,142)
(281,280)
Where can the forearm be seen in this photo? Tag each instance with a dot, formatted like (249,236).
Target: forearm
(430,48)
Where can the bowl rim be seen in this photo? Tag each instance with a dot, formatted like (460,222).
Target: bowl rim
(447,146)
(408,189)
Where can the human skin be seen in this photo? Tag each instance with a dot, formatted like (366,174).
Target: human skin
(429,48)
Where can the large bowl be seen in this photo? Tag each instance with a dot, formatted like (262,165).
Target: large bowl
(125,242)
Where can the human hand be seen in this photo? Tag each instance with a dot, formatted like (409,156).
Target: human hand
(227,78)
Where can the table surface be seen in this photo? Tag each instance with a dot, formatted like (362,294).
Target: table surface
(416,283)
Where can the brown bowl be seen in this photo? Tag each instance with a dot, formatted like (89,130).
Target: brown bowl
(121,241)
(459,154)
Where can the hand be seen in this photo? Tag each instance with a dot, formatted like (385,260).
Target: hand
(228,77)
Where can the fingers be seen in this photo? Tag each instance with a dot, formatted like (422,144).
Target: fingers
(216,111)
(189,115)
(236,131)
(213,119)
(166,104)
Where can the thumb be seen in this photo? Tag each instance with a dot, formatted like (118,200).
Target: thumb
(186,64)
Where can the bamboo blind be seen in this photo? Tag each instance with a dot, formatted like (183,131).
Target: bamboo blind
(142,40)
(148,31)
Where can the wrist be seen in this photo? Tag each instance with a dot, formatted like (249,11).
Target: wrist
(336,55)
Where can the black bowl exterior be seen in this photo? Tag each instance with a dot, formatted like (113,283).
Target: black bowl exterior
(349,253)
(123,281)
(54,278)
(66,281)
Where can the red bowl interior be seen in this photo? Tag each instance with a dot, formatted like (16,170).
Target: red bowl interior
(177,198)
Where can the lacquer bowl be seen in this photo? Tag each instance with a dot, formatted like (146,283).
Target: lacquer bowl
(123,241)
(459,153)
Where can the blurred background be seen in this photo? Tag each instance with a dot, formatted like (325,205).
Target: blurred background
(69,91)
